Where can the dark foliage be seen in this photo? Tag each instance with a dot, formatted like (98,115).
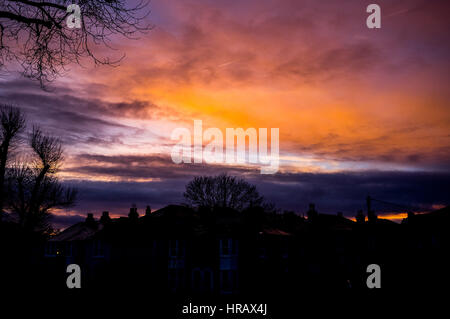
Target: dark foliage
(222,191)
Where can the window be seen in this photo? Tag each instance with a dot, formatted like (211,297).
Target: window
(228,281)
(207,280)
(284,250)
(196,280)
(172,279)
(50,249)
(98,249)
(202,280)
(262,253)
(176,248)
(68,249)
(175,279)
(154,247)
(228,247)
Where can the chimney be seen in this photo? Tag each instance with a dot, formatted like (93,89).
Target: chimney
(133,214)
(90,221)
(371,216)
(360,218)
(148,211)
(312,213)
(105,217)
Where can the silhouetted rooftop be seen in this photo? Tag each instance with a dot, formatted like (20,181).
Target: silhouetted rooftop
(78,231)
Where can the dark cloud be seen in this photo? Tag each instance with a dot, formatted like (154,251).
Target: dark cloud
(344,191)
(79,119)
(347,191)
(145,167)
(117,197)
(28,94)
(331,192)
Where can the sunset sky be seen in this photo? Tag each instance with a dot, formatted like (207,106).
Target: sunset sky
(360,111)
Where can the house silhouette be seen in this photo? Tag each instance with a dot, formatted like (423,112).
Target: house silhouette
(179,250)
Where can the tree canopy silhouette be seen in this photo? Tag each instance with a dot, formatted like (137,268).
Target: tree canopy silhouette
(29,187)
(222,191)
(34,33)
(12,122)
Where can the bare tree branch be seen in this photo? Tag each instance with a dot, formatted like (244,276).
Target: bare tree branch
(12,122)
(25,20)
(34,33)
(32,185)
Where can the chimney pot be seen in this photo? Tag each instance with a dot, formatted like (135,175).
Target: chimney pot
(312,213)
(105,217)
(133,213)
(360,217)
(90,219)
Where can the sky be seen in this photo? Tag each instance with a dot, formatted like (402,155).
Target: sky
(360,111)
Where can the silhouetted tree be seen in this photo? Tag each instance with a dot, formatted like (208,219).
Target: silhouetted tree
(222,191)
(33,187)
(12,122)
(34,33)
